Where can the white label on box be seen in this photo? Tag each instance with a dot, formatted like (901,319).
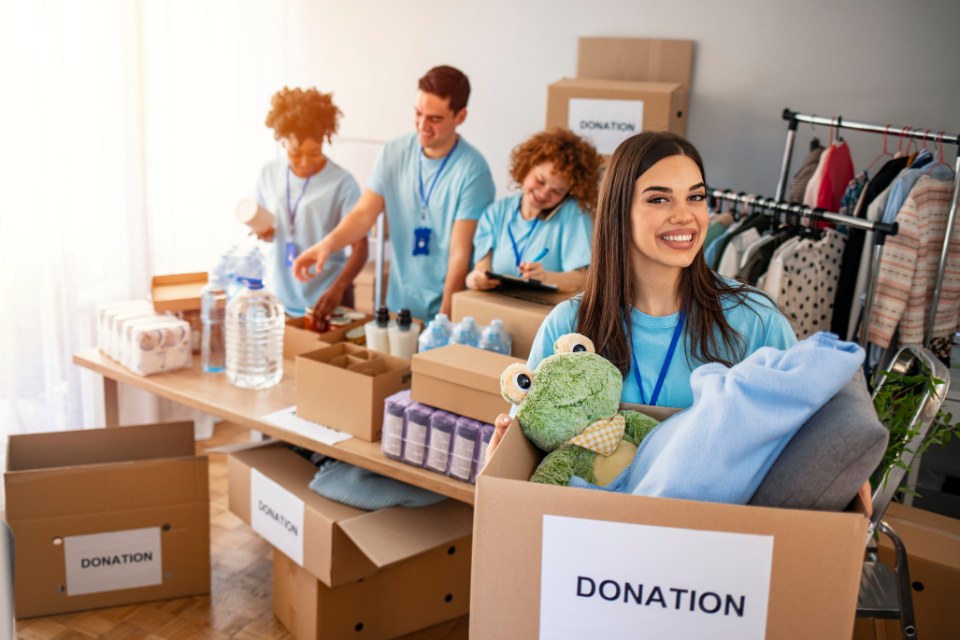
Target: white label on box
(605,123)
(277,515)
(604,579)
(461,458)
(112,561)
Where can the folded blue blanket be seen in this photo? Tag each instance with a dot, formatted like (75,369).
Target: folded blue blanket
(742,417)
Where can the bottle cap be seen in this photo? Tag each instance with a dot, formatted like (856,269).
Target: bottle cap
(382,317)
(403,319)
(251,283)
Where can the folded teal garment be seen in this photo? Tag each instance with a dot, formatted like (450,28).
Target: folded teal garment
(364,489)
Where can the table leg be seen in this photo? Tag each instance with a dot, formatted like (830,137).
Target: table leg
(111,402)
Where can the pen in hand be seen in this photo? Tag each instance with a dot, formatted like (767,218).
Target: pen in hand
(543,254)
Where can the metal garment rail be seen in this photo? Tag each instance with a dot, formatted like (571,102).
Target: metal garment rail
(880,229)
(911,133)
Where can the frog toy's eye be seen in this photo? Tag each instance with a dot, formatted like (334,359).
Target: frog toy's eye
(515,382)
(573,343)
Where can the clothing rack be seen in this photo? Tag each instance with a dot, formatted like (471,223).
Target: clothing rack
(880,229)
(910,133)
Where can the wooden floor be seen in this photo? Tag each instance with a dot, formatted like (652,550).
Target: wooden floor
(239,605)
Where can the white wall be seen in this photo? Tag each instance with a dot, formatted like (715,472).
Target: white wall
(870,60)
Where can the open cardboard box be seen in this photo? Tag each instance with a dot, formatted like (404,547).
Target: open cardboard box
(521,318)
(107,517)
(297,339)
(179,292)
(335,543)
(343,386)
(462,380)
(605,565)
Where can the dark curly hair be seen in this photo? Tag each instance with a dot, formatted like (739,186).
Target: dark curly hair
(305,113)
(573,158)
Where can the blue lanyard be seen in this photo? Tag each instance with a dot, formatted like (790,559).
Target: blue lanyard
(292,211)
(666,363)
(517,250)
(425,199)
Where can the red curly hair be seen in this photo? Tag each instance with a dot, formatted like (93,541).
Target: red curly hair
(305,113)
(573,158)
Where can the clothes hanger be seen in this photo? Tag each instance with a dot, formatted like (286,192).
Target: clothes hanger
(815,142)
(883,153)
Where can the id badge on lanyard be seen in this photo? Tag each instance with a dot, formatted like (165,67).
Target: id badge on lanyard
(421,234)
(291,253)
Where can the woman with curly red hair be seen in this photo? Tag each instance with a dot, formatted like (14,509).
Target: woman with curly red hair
(544,232)
(309,195)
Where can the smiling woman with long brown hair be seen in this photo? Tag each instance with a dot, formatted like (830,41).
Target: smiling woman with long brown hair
(651,304)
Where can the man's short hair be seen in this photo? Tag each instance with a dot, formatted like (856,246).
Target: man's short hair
(447,82)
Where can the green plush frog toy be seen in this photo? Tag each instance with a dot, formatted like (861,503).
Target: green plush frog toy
(569,408)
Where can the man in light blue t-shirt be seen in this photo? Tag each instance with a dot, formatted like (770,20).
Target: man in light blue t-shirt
(433,186)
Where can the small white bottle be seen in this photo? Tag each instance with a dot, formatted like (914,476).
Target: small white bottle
(378,338)
(403,335)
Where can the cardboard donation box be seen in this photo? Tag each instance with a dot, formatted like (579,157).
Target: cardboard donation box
(585,563)
(932,542)
(338,570)
(343,386)
(297,339)
(462,380)
(521,318)
(607,112)
(180,292)
(624,86)
(107,517)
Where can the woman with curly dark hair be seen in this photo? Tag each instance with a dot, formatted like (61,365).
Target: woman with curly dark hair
(543,233)
(309,195)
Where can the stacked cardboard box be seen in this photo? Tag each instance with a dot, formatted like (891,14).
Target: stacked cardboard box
(521,317)
(340,571)
(623,86)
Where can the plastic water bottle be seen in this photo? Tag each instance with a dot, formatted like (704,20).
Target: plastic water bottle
(466,332)
(433,336)
(495,339)
(254,337)
(229,266)
(213,313)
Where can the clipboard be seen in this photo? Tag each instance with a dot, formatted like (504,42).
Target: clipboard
(513,282)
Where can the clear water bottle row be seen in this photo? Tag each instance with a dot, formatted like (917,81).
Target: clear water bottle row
(223,284)
(441,332)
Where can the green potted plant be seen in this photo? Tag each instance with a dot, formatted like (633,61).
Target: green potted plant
(897,401)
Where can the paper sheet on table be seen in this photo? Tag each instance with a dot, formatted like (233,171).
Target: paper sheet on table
(287,419)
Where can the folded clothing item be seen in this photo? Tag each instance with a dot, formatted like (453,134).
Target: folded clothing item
(831,457)
(742,417)
(364,489)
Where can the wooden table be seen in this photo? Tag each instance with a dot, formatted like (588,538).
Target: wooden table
(212,393)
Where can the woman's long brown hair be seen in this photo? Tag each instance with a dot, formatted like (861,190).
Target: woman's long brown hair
(605,313)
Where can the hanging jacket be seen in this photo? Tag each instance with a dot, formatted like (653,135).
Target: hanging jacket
(908,269)
(799,182)
(837,173)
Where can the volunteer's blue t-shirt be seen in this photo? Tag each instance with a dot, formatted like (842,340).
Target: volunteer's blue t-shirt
(330,195)
(566,235)
(462,192)
(758,322)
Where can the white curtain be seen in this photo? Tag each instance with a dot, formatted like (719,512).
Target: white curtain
(128,131)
